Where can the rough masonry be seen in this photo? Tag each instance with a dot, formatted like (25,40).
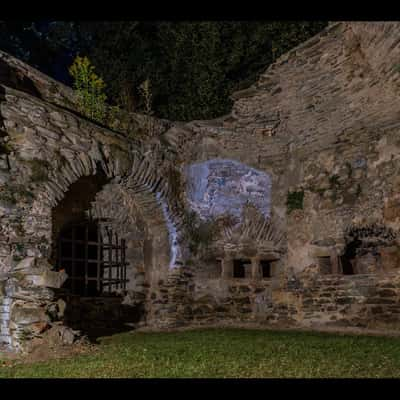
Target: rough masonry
(284,212)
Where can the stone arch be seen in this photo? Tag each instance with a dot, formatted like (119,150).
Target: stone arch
(137,188)
(369,248)
(51,149)
(133,174)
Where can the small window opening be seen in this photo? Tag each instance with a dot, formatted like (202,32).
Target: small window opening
(349,258)
(239,268)
(266,268)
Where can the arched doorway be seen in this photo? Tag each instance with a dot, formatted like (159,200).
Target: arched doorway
(93,256)
(104,292)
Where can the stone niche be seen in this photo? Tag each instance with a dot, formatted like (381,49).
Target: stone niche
(258,267)
(364,250)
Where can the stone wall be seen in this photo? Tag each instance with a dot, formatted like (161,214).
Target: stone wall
(360,301)
(319,129)
(5,301)
(46,148)
(322,122)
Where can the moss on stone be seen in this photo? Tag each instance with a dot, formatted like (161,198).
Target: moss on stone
(17,258)
(295,200)
(39,170)
(22,192)
(334,181)
(20,247)
(7,196)
(19,276)
(5,148)
(13,193)
(319,191)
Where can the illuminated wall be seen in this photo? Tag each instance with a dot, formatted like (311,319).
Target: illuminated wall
(220,186)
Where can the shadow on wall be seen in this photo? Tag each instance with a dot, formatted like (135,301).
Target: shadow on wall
(15,79)
(2,98)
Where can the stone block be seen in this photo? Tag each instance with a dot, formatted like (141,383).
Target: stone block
(59,334)
(27,316)
(26,264)
(390,257)
(321,251)
(391,210)
(387,293)
(53,279)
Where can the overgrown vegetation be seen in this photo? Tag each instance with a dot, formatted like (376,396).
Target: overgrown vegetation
(294,200)
(119,116)
(91,101)
(89,89)
(5,149)
(193,66)
(224,353)
(146,94)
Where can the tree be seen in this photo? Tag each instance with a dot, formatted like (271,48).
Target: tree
(89,89)
(193,66)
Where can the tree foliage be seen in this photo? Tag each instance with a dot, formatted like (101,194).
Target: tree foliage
(193,67)
(89,89)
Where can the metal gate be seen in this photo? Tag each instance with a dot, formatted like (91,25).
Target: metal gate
(93,256)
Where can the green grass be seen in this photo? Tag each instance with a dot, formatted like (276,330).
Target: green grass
(226,353)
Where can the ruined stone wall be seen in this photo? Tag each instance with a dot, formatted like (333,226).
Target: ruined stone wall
(329,301)
(321,120)
(323,123)
(319,130)
(4,314)
(45,148)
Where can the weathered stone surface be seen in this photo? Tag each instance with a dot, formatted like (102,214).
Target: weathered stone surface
(27,316)
(311,151)
(63,335)
(26,264)
(53,279)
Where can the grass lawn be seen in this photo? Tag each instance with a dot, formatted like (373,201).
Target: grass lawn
(223,353)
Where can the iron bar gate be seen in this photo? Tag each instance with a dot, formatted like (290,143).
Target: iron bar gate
(93,256)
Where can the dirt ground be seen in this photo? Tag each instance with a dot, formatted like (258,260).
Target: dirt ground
(45,352)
